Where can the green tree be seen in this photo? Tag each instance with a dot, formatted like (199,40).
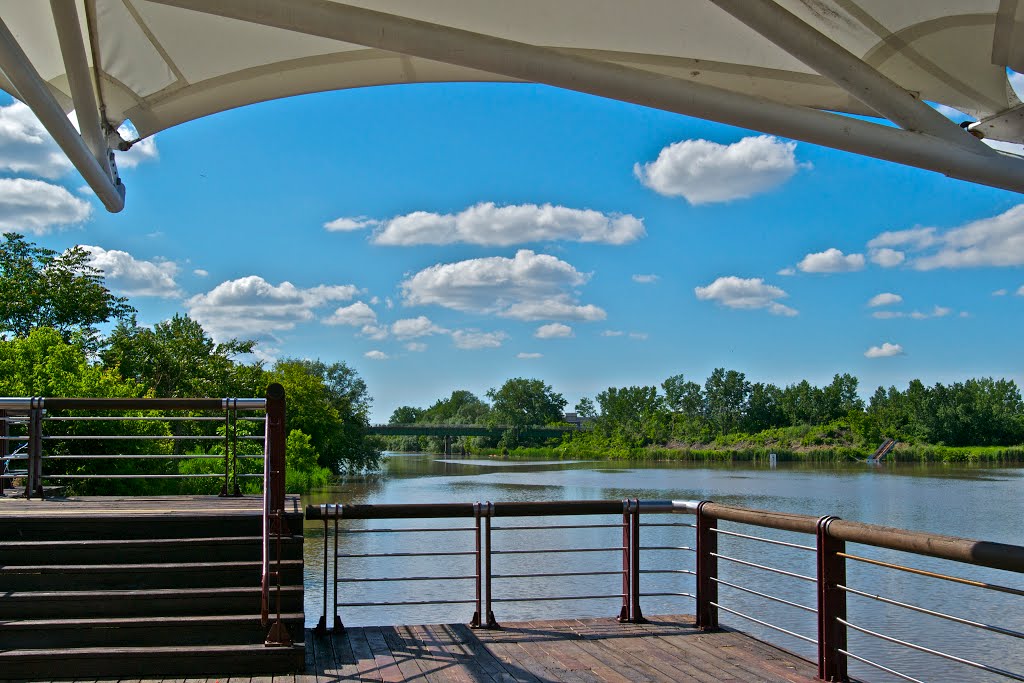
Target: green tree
(331,405)
(586,409)
(764,408)
(521,403)
(405,415)
(462,407)
(43,288)
(631,416)
(725,396)
(177,358)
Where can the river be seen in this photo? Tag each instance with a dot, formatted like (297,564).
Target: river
(972,501)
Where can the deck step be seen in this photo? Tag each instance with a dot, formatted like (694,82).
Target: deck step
(150,602)
(173,661)
(53,527)
(140,631)
(126,576)
(141,550)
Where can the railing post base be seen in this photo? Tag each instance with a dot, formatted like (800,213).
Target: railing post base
(278,636)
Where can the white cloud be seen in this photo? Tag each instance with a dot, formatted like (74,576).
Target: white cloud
(705,172)
(786,272)
(376,355)
(640,336)
(1017,83)
(831,261)
(888,315)
(612,333)
(914,238)
(886,257)
(1020,291)
(26,147)
(350,224)
(416,347)
(527,287)
(250,307)
(886,350)
(529,356)
(353,315)
(645,279)
(489,224)
(750,293)
(965,314)
(475,339)
(553,331)
(410,328)
(885,299)
(388,303)
(936,312)
(199,272)
(995,241)
(375,332)
(941,311)
(132,276)
(999,292)
(37,207)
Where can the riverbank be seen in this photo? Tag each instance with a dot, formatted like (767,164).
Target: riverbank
(740,453)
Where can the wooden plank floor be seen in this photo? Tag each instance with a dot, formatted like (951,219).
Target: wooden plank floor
(668,649)
(98,506)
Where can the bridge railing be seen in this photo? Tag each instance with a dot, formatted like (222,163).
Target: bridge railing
(779,573)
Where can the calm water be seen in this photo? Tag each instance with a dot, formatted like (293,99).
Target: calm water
(975,502)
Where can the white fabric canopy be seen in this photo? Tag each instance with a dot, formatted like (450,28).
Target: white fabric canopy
(159,63)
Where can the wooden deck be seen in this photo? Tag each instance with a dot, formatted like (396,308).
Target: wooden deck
(102,506)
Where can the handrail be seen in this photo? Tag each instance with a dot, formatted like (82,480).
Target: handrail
(828,578)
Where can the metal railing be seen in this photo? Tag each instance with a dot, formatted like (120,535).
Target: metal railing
(87,442)
(812,585)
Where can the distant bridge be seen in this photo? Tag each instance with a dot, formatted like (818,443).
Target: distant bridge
(495,431)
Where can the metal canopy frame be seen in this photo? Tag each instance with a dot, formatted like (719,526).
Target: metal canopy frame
(923,139)
(87,151)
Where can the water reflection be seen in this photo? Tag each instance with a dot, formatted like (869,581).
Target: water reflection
(972,501)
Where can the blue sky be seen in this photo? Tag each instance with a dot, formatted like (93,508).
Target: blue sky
(440,237)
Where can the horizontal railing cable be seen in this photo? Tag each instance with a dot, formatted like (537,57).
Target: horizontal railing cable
(766,568)
(765,540)
(765,623)
(764,595)
(935,575)
(881,667)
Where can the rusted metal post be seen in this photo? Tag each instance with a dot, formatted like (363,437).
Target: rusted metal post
(279,635)
(831,604)
(34,480)
(624,612)
(321,626)
(478,536)
(275,455)
(636,616)
(338,626)
(227,449)
(5,432)
(707,570)
(488,512)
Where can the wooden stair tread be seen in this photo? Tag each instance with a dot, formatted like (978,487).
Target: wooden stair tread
(183,593)
(120,622)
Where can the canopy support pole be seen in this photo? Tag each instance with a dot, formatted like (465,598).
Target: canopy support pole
(832,60)
(33,91)
(549,66)
(76,65)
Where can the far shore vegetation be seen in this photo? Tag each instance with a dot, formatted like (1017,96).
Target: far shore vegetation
(52,304)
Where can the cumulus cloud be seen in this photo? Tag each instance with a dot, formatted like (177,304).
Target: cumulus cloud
(936,312)
(1020,291)
(885,299)
(704,172)
(527,287)
(251,307)
(886,257)
(645,279)
(831,261)
(522,355)
(199,272)
(488,224)
(473,339)
(132,276)
(353,315)
(1000,292)
(786,272)
(350,224)
(612,333)
(376,355)
(914,238)
(888,315)
(994,241)
(375,332)
(886,350)
(553,331)
(640,336)
(748,293)
(37,207)
(410,328)
(416,347)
